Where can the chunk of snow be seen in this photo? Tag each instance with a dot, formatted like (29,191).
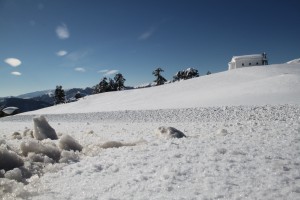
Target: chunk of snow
(69,156)
(112,144)
(169,132)
(42,129)
(68,143)
(49,150)
(9,159)
(14,174)
(16,135)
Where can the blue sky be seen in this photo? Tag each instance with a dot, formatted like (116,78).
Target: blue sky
(74,43)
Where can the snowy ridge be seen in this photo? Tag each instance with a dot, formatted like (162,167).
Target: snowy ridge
(295,61)
(273,84)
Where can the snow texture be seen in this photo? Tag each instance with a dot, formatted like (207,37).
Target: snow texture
(243,142)
(42,129)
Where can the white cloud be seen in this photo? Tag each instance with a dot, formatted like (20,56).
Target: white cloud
(77,55)
(147,34)
(107,72)
(14,62)
(62,32)
(103,71)
(110,72)
(61,53)
(79,69)
(16,73)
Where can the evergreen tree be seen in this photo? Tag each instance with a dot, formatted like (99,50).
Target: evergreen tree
(160,80)
(186,74)
(111,85)
(208,73)
(78,95)
(119,81)
(59,95)
(103,85)
(191,73)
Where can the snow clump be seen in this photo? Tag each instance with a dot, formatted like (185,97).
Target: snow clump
(42,129)
(9,159)
(49,149)
(14,174)
(115,144)
(169,132)
(68,143)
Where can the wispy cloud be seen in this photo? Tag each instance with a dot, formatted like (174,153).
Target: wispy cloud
(147,34)
(107,72)
(103,71)
(14,62)
(61,53)
(79,69)
(16,73)
(62,32)
(77,55)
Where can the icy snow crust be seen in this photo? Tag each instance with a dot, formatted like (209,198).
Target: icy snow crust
(236,146)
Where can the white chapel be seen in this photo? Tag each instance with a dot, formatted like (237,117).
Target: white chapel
(248,61)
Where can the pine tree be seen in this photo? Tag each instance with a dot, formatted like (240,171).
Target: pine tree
(59,95)
(208,73)
(111,85)
(160,80)
(186,74)
(119,81)
(191,73)
(103,85)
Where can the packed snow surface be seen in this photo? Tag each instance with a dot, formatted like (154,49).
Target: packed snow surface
(245,144)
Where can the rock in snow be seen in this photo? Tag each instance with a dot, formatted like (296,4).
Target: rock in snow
(169,132)
(42,129)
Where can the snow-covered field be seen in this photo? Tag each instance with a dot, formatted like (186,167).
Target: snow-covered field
(243,142)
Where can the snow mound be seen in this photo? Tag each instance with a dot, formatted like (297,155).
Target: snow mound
(169,132)
(42,129)
(68,143)
(9,159)
(48,149)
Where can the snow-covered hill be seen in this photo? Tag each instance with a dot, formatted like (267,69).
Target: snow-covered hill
(242,141)
(272,84)
(295,61)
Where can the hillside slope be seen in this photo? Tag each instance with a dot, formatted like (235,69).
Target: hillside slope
(261,85)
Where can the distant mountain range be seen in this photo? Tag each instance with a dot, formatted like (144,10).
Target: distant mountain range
(39,99)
